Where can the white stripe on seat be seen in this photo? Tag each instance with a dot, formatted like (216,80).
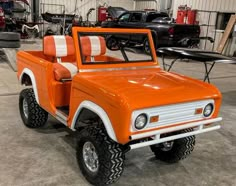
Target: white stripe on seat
(61,46)
(95,45)
(72,68)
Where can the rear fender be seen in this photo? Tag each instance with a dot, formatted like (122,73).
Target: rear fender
(28,72)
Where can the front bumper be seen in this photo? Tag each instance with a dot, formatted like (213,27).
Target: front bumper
(199,127)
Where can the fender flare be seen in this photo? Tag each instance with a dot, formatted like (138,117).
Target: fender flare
(31,75)
(100,112)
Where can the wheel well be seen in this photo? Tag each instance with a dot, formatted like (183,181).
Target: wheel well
(26,80)
(86,117)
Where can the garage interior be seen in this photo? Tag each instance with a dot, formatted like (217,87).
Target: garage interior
(47,156)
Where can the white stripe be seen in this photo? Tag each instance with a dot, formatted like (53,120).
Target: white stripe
(31,75)
(100,112)
(171,138)
(122,68)
(95,46)
(72,68)
(174,128)
(60,45)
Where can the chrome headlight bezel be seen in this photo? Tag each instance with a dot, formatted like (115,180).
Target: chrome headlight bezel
(208,110)
(141,118)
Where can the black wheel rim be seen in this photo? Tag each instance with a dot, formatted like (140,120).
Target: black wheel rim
(146,47)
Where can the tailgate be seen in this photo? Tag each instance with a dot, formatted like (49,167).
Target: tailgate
(183,30)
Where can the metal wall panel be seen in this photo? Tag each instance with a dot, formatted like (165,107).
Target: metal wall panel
(213,5)
(127,4)
(147,4)
(70,7)
(82,7)
(209,5)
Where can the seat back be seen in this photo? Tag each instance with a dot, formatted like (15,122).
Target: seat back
(58,46)
(92,46)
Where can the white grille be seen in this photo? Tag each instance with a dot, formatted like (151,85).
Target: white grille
(172,114)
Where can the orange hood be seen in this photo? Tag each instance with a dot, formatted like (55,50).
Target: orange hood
(148,88)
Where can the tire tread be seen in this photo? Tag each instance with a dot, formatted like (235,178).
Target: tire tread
(37,116)
(112,159)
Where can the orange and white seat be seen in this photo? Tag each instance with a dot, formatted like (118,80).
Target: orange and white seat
(92,46)
(58,47)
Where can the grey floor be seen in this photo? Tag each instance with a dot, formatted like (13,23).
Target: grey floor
(47,156)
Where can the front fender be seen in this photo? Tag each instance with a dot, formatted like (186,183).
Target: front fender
(100,112)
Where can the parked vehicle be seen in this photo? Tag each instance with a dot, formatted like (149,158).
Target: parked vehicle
(115,12)
(13,17)
(114,99)
(164,30)
(2,20)
(66,22)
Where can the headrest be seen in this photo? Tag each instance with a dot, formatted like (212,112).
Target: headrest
(93,45)
(58,46)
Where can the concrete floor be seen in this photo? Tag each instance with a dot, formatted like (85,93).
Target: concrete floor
(47,156)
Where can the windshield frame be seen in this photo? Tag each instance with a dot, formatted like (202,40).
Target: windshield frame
(125,50)
(83,30)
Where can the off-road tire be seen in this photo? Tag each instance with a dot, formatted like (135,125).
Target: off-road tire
(9,36)
(180,150)
(37,117)
(9,44)
(110,156)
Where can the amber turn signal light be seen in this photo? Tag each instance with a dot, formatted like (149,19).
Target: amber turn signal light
(198,111)
(154,119)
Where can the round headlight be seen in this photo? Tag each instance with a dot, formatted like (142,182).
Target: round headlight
(208,110)
(141,121)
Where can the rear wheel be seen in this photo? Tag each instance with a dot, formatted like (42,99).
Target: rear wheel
(146,47)
(176,150)
(100,159)
(31,113)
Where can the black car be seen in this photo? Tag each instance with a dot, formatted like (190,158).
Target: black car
(164,30)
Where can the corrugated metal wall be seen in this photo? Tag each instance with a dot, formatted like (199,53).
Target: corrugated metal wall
(209,5)
(213,5)
(81,7)
(147,4)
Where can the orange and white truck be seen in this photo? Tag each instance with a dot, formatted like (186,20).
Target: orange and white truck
(116,98)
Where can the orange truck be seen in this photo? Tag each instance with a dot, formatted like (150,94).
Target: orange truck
(116,98)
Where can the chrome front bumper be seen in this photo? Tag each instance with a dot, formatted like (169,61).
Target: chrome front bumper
(198,129)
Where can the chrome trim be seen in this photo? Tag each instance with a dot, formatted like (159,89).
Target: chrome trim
(113,69)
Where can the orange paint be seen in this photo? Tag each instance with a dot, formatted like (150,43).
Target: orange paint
(119,91)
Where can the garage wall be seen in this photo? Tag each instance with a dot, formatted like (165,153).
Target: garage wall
(213,5)
(82,6)
(145,4)
(210,5)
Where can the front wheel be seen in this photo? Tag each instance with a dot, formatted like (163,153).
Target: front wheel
(31,113)
(100,159)
(176,150)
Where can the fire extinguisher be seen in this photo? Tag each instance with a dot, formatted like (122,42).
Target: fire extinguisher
(182,14)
